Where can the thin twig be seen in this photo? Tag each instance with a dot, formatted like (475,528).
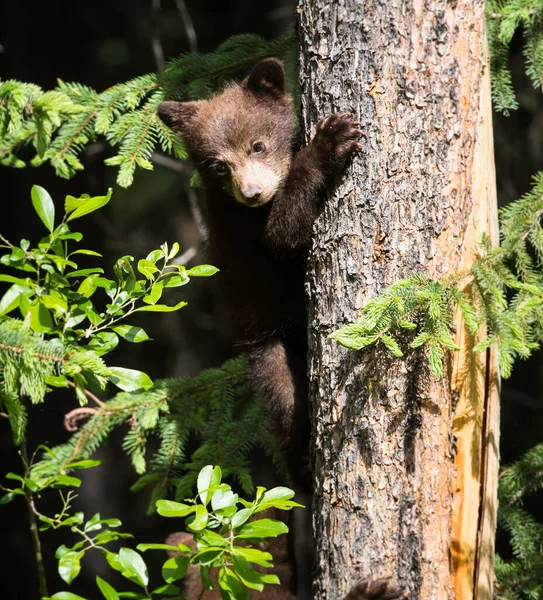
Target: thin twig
(189,26)
(34,526)
(187,256)
(89,395)
(71,420)
(156,43)
(5,415)
(172,164)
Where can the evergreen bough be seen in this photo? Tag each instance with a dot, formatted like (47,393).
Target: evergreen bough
(504,18)
(217,407)
(59,124)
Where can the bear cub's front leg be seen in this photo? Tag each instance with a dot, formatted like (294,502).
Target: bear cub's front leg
(312,171)
(336,140)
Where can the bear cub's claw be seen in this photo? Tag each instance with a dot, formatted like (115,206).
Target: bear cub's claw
(337,138)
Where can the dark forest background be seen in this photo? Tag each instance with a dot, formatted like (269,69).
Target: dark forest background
(102,43)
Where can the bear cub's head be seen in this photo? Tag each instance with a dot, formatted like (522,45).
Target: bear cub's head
(241,139)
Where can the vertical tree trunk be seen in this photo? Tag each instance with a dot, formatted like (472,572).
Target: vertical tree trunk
(389,498)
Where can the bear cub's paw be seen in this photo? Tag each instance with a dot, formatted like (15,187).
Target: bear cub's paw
(336,139)
(377,589)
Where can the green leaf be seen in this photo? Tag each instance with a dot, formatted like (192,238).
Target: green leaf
(107,590)
(87,252)
(43,205)
(7,498)
(154,256)
(156,292)
(223,499)
(161,307)
(132,333)
(208,555)
(168,590)
(174,251)
(125,273)
(262,528)
(78,207)
(199,520)
(205,574)
(277,494)
(66,480)
(264,559)
(59,305)
(213,539)
(80,272)
(175,568)
(85,464)
(178,548)
(10,300)
(64,596)
(40,318)
(169,508)
(56,381)
(69,565)
(231,587)
(208,481)
(102,342)
(147,268)
(249,577)
(11,279)
(88,286)
(129,380)
(172,281)
(202,271)
(134,565)
(241,516)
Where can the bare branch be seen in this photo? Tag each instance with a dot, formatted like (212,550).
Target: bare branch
(189,27)
(170,163)
(71,420)
(156,43)
(89,395)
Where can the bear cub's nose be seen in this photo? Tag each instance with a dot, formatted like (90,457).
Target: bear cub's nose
(252,192)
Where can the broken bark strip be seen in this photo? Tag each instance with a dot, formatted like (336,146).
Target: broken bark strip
(386,489)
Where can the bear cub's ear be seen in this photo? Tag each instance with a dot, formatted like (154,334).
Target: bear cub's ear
(178,115)
(267,78)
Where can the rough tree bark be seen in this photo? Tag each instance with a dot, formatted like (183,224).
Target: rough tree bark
(404,482)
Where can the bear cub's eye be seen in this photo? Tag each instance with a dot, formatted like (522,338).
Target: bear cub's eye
(258,147)
(220,168)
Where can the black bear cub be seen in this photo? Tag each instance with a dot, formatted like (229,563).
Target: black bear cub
(261,197)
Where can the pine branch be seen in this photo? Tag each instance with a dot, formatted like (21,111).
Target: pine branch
(504,18)
(218,405)
(502,291)
(61,123)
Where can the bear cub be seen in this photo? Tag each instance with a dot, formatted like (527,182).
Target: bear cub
(261,197)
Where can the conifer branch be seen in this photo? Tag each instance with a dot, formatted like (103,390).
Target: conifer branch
(218,405)
(60,123)
(503,291)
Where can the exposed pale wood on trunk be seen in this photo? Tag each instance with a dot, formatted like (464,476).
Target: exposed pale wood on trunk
(476,381)
(411,72)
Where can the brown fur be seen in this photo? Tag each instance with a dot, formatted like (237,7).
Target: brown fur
(261,199)
(260,242)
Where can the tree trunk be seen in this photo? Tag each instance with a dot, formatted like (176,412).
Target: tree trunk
(404,482)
